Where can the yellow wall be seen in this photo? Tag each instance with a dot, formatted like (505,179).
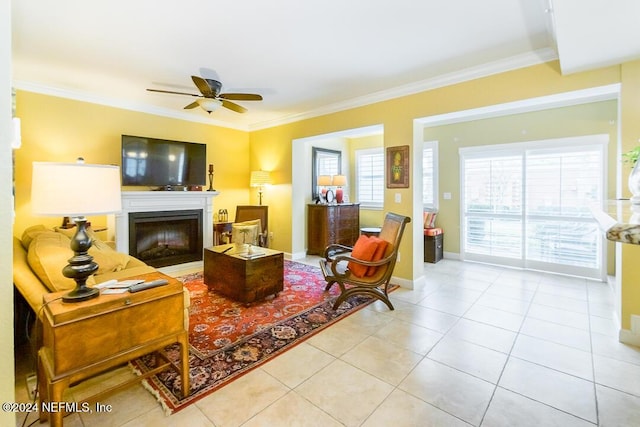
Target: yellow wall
(57,129)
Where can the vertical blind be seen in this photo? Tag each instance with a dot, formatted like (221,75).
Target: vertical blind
(528,206)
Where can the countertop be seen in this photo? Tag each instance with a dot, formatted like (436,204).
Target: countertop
(620,220)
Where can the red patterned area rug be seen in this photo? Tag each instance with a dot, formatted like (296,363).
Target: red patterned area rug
(228,339)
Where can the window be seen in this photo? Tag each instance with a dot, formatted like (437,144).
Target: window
(430,175)
(527,205)
(370,177)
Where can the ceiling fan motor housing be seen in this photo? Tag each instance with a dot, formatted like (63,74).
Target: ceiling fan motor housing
(215,86)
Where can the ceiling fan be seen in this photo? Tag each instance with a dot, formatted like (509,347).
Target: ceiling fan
(210,98)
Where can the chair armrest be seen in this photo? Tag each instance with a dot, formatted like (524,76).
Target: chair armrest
(347,258)
(333,248)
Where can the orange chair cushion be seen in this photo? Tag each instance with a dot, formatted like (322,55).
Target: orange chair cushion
(381,247)
(364,249)
(432,231)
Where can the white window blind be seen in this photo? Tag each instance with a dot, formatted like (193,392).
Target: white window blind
(560,187)
(370,177)
(429,175)
(527,205)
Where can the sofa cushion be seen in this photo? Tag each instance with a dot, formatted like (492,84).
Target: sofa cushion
(30,233)
(50,251)
(107,258)
(363,250)
(47,255)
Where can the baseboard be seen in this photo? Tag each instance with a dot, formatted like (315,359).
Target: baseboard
(627,337)
(408,283)
(294,256)
(451,255)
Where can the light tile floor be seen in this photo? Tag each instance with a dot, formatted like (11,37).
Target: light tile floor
(477,345)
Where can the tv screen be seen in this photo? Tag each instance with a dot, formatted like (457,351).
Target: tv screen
(159,162)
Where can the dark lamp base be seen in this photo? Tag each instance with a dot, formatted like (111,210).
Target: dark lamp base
(81,294)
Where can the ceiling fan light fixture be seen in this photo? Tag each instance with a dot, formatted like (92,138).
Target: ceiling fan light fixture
(209,104)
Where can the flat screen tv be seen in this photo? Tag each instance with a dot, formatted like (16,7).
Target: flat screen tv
(162,163)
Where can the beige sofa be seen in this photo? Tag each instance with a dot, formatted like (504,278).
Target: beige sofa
(41,253)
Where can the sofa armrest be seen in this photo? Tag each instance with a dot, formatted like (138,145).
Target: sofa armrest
(25,280)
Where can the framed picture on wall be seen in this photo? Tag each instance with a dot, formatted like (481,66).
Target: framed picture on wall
(398,167)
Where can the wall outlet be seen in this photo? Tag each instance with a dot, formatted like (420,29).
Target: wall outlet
(271,235)
(398,197)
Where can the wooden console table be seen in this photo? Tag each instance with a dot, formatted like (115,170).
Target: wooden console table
(81,340)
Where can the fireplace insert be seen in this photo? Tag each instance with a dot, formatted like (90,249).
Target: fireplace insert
(167,237)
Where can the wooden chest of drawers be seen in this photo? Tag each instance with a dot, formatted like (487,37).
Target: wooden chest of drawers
(327,224)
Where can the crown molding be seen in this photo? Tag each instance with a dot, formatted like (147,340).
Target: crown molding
(496,67)
(472,73)
(119,103)
(558,100)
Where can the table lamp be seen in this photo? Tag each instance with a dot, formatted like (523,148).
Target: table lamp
(260,179)
(76,190)
(324,181)
(339,181)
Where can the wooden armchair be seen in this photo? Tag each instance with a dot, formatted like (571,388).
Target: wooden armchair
(341,264)
(249,213)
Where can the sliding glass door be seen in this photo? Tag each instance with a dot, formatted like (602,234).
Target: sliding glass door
(527,204)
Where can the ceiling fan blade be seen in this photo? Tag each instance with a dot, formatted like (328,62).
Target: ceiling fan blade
(192,105)
(242,96)
(170,91)
(233,106)
(208,87)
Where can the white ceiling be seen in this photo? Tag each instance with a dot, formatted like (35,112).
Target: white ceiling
(305,57)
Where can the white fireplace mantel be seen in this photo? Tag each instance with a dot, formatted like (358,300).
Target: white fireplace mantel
(157,201)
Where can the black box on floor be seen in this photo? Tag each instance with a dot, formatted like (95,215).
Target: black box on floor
(433,248)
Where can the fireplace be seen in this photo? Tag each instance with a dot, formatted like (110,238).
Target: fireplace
(187,220)
(166,238)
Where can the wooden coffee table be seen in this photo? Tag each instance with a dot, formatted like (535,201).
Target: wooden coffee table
(238,276)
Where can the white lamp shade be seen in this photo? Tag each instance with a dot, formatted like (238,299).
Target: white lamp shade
(339,180)
(324,180)
(260,178)
(75,189)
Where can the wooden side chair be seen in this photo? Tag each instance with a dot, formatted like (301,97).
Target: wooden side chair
(368,265)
